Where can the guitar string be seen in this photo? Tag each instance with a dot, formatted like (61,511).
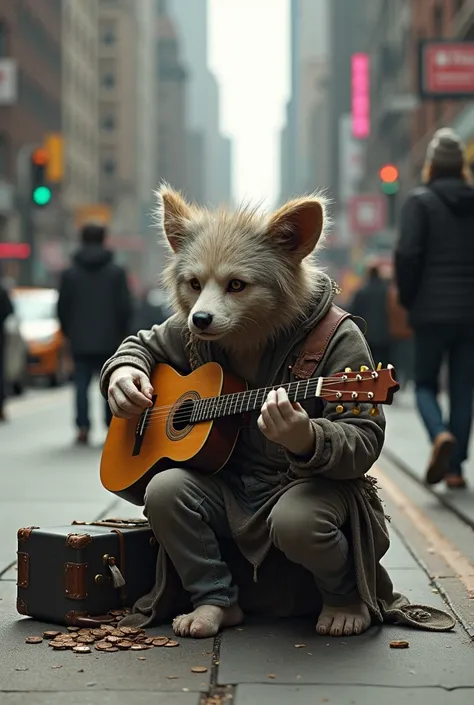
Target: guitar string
(309,387)
(185,415)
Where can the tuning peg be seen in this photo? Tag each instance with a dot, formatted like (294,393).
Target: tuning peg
(364,368)
(339,409)
(356,410)
(379,366)
(348,369)
(390,367)
(374,411)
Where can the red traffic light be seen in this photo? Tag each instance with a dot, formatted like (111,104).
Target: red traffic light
(389,173)
(40,157)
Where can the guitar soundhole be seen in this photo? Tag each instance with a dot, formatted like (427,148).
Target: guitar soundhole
(179,423)
(182,415)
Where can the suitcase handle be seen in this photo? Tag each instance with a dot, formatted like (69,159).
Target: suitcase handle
(76,619)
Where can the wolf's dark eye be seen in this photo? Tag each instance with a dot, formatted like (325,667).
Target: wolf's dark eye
(194,284)
(236,285)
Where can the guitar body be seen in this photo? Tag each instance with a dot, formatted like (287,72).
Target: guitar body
(137,449)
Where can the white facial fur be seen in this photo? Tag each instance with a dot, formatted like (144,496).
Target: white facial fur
(213,251)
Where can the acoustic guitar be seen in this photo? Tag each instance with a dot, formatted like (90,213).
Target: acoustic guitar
(194,420)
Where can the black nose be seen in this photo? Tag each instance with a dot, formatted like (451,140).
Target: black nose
(202,320)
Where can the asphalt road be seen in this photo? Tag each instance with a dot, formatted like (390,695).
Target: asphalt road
(46,481)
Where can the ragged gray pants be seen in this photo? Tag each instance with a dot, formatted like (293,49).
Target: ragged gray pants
(187,514)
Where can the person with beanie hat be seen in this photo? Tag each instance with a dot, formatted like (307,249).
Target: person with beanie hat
(434,264)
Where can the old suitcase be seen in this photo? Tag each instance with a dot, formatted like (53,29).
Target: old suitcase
(76,574)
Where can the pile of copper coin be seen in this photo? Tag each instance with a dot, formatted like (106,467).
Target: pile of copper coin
(107,638)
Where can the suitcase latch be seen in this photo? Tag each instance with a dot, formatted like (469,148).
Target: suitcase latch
(117,577)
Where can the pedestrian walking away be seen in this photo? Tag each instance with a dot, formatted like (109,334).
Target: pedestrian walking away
(95,310)
(435,277)
(370,304)
(6,309)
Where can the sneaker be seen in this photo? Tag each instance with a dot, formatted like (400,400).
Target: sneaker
(82,437)
(455,482)
(438,466)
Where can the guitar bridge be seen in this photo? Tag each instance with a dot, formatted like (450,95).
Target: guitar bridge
(142,427)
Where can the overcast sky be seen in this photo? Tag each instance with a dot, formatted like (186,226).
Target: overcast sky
(249,53)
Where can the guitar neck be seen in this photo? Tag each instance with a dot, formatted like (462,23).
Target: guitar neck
(252,400)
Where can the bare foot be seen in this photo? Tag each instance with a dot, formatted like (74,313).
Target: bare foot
(207,620)
(344,621)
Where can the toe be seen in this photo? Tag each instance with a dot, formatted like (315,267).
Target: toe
(182,624)
(324,625)
(338,625)
(358,626)
(349,626)
(201,628)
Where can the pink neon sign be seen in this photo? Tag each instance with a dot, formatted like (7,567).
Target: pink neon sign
(360,96)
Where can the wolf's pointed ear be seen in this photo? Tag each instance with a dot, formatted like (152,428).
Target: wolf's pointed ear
(298,225)
(172,214)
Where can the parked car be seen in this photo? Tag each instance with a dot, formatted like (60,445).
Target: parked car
(16,357)
(48,355)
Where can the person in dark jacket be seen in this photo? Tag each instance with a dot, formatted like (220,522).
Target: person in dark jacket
(435,277)
(94,310)
(370,303)
(6,309)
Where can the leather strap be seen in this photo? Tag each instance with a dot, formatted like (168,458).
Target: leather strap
(123,590)
(317,343)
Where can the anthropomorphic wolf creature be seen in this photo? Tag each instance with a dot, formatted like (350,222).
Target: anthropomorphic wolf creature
(294,503)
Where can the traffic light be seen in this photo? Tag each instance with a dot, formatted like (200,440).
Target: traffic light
(40,192)
(389,183)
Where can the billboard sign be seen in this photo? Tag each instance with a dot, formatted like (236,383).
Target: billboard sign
(360,87)
(446,69)
(8,81)
(367,214)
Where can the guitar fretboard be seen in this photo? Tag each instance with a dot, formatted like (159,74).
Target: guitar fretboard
(251,400)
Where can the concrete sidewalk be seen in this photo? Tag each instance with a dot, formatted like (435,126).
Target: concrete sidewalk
(45,482)
(407,444)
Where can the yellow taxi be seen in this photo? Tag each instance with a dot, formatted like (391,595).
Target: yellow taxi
(48,355)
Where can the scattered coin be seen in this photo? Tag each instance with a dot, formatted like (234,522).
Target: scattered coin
(60,647)
(112,639)
(116,613)
(172,678)
(142,658)
(300,646)
(124,644)
(73,629)
(172,643)
(271,675)
(33,639)
(81,649)
(21,669)
(84,632)
(199,669)
(50,635)
(85,639)
(399,644)
(112,650)
(126,630)
(56,667)
(107,628)
(103,645)
(160,641)
(139,647)
(116,632)
(99,633)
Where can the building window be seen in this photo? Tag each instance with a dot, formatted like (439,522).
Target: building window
(108,122)
(108,80)
(3,39)
(108,34)
(108,166)
(438,20)
(3,155)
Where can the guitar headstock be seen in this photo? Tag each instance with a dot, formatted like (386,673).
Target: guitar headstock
(366,386)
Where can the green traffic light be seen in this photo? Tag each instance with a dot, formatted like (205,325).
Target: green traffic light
(390,188)
(42,195)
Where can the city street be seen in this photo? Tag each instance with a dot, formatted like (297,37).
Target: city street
(47,481)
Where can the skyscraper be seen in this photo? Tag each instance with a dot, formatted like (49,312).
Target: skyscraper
(202,95)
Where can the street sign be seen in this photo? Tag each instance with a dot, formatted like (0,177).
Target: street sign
(367,214)
(446,69)
(14,250)
(8,81)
